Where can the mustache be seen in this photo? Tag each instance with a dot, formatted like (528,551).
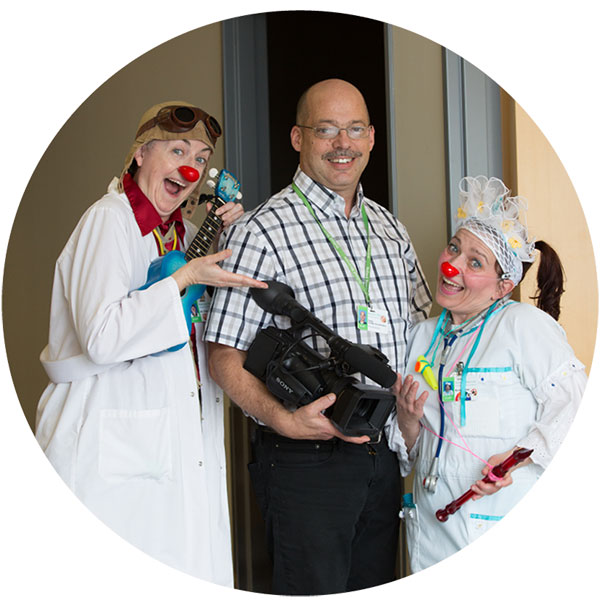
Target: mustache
(341,153)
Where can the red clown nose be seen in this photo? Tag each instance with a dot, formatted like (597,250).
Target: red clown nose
(189,173)
(449,270)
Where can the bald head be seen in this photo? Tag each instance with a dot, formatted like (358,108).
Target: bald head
(329,88)
(335,162)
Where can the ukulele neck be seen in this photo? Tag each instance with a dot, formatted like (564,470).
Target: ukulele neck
(207,233)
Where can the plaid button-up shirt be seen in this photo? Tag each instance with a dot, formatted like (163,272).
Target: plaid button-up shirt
(281,240)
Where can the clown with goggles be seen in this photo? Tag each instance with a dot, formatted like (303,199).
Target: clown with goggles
(487,377)
(134,429)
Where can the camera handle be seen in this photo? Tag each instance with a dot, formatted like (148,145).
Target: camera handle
(279,299)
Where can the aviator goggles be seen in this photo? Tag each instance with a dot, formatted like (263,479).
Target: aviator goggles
(329,132)
(178,119)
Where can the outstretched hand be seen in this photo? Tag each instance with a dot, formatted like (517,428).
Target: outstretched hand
(205,270)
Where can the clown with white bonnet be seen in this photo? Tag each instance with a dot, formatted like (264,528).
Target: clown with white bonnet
(488,376)
(135,430)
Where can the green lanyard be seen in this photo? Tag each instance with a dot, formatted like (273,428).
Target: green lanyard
(364,284)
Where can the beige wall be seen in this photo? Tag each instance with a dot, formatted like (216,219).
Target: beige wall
(75,171)
(555,216)
(419,137)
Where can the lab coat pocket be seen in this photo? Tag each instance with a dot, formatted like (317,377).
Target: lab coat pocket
(478,524)
(483,405)
(410,517)
(135,444)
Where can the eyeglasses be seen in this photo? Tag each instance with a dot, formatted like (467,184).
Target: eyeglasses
(329,132)
(178,119)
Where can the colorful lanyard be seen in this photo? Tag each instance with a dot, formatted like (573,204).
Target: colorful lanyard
(161,239)
(463,381)
(363,283)
(437,338)
(441,322)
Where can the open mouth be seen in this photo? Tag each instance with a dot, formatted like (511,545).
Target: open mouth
(173,186)
(450,287)
(341,157)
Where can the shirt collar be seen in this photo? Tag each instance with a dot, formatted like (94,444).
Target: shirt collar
(145,214)
(325,199)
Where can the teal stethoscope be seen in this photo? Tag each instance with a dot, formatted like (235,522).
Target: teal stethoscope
(424,366)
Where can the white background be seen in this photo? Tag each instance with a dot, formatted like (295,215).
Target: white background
(55,54)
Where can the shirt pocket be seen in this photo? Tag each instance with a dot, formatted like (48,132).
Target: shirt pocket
(135,444)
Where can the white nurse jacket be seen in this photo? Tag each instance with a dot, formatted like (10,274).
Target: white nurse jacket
(125,428)
(524,385)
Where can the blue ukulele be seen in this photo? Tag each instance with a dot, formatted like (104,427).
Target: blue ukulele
(226,190)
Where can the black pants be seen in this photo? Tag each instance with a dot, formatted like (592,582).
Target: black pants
(331,512)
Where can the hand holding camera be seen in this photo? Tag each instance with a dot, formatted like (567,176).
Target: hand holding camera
(298,375)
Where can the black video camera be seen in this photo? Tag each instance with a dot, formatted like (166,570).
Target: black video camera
(297,374)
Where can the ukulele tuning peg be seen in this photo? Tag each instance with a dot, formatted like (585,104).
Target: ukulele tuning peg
(210,183)
(213,172)
(239,196)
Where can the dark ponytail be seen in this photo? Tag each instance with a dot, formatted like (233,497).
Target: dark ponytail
(550,279)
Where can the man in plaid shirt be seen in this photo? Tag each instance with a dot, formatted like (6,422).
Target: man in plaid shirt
(330,501)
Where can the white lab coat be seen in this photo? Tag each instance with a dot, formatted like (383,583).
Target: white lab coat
(123,427)
(525,388)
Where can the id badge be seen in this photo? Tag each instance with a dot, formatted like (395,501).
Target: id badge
(448,389)
(369,318)
(362,318)
(200,309)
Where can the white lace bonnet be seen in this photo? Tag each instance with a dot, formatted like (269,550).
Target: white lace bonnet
(498,220)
